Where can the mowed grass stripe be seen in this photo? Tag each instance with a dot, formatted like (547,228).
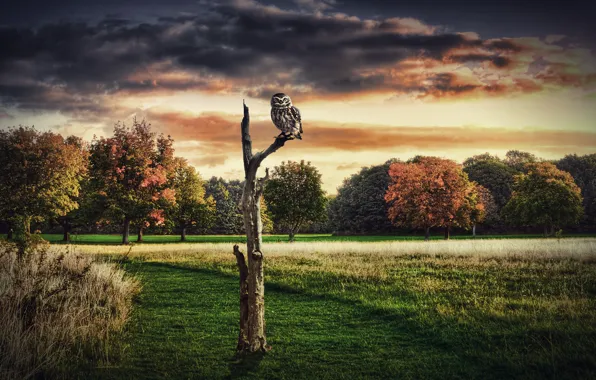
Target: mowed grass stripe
(158,239)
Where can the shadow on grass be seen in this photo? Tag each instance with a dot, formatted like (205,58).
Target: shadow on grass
(185,326)
(243,364)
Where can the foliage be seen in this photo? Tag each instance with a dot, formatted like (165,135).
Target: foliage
(493,174)
(545,196)
(583,170)
(517,160)
(360,206)
(294,196)
(191,207)
(490,211)
(430,192)
(130,170)
(40,175)
(227,195)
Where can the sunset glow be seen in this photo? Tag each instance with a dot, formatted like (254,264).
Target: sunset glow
(369,87)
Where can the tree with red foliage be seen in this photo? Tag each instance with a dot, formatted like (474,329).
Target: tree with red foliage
(130,170)
(431,192)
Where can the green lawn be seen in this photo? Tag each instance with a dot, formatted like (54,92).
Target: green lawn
(117,239)
(409,317)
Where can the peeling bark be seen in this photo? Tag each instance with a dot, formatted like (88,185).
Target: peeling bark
(243,269)
(252,336)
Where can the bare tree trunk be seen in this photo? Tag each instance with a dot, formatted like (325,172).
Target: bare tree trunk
(252,337)
(66,231)
(474,230)
(125,231)
(292,236)
(183,233)
(447,232)
(140,235)
(243,269)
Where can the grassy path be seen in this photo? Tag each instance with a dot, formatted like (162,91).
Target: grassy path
(185,327)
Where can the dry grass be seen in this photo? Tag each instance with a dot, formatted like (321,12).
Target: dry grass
(57,307)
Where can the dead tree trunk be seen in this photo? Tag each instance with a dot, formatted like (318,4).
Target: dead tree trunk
(252,337)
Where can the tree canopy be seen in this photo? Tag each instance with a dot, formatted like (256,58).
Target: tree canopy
(360,206)
(493,174)
(131,169)
(545,196)
(430,192)
(294,196)
(191,207)
(583,171)
(40,176)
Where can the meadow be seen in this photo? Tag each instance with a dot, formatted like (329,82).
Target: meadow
(485,308)
(160,239)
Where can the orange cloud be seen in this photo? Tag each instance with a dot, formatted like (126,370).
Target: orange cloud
(218,135)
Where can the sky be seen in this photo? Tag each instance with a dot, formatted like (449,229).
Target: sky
(373,80)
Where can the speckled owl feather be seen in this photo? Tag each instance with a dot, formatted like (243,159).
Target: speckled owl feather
(285,116)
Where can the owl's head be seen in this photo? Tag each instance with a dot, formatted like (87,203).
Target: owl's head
(281,100)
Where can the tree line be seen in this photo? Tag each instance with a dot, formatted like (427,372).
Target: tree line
(519,190)
(132,181)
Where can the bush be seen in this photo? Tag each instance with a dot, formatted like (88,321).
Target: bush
(56,309)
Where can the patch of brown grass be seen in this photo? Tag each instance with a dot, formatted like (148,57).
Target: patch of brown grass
(57,307)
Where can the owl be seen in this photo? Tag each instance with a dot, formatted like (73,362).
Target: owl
(285,116)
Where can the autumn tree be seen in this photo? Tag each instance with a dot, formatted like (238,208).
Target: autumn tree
(360,206)
(294,196)
(430,192)
(191,206)
(545,196)
(40,176)
(130,170)
(583,171)
(486,210)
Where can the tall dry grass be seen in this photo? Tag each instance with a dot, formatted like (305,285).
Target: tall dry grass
(57,307)
(577,248)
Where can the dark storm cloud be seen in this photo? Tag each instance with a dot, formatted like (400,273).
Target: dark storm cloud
(251,47)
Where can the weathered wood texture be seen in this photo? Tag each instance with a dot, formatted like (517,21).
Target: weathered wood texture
(252,337)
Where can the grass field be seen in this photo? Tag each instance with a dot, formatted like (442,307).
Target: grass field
(157,239)
(460,309)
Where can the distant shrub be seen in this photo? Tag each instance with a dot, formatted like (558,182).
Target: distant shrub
(57,308)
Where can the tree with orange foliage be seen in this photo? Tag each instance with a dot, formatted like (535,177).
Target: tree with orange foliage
(130,171)
(431,192)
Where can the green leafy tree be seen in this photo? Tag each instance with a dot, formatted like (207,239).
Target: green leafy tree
(227,194)
(545,196)
(228,216)
(40,177)
(360,206)
(583,171)
(192,207)
(130,171)
(496,176)
(517,159)
(294,196)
